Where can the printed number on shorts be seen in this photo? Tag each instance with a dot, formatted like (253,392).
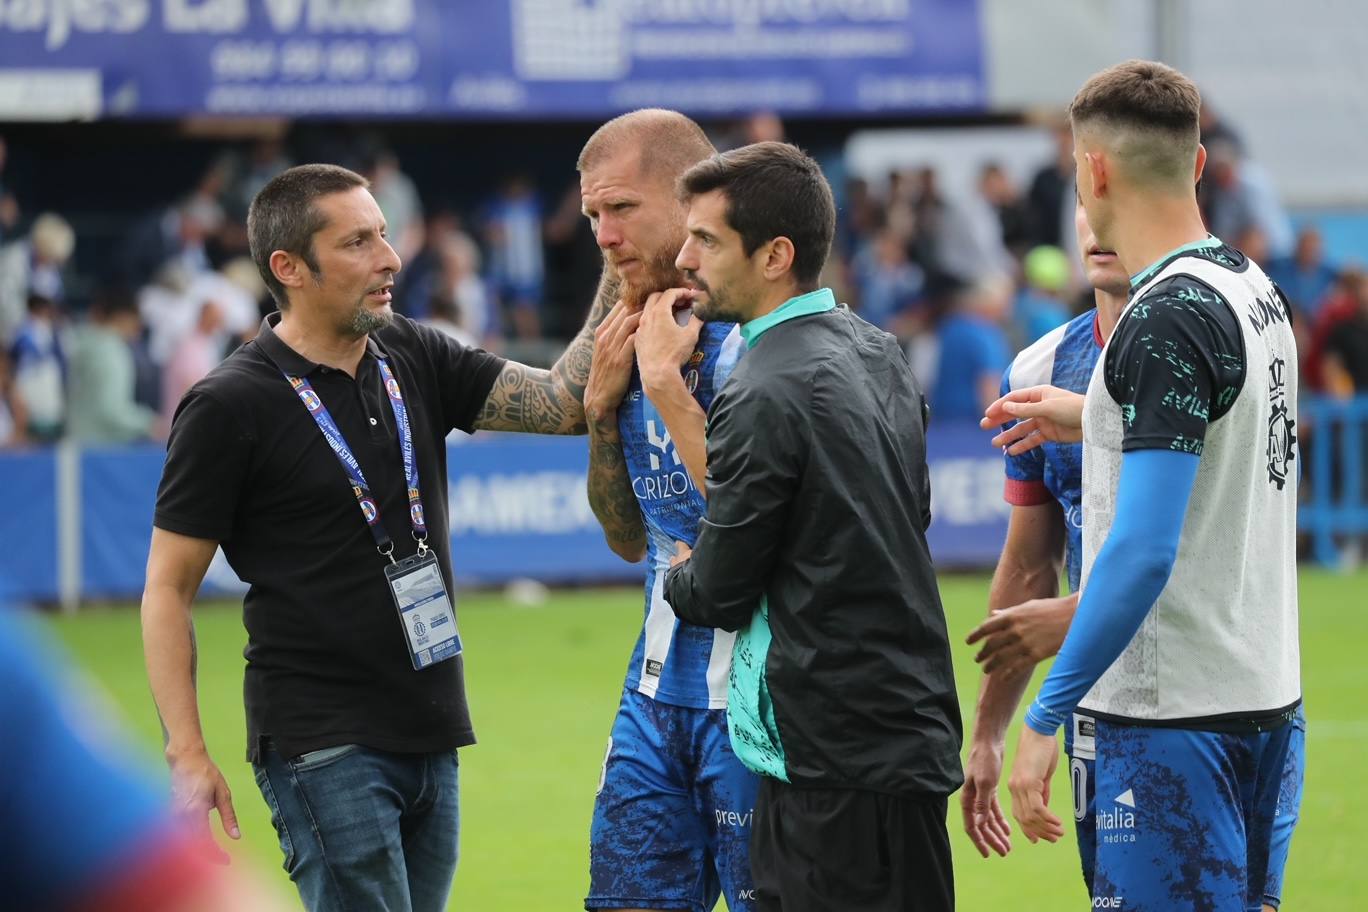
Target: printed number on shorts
(1078,772)
(603,773)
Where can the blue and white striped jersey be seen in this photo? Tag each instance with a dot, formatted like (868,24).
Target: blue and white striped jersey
(675,662)
(1065,358)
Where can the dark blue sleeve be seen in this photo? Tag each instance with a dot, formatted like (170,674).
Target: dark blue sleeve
(69,812)
(1131,570)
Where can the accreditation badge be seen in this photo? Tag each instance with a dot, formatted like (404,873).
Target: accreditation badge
(424,609)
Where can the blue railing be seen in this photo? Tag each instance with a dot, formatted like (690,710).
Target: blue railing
(1336,431)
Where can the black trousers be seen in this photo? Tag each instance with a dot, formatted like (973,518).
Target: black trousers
(845,850)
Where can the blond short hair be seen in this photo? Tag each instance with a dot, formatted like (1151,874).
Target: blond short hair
(669,142)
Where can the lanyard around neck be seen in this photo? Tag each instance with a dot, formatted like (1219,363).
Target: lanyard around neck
(370,510)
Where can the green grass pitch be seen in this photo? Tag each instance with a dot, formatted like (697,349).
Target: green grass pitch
(544,683)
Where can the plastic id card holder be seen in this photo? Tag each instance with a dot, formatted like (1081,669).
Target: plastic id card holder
(424,609)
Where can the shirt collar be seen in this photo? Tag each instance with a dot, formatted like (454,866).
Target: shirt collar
(813,302)
(1143,275)
(291,361)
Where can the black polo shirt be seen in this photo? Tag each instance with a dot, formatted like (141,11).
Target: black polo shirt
(327,659)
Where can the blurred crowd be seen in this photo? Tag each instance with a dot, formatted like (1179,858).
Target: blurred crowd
(964,279)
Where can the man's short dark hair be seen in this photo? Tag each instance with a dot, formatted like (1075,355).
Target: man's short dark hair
(283,217)
(773,190)
(1149,112)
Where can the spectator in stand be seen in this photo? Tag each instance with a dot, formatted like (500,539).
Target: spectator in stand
(462,283)
(968,242)
(39,367)
(1305,277)
(397,196)
(997,188)
(34,263)
(516,266)
(1050,201)
(196,353)
(264,160)
(444,314)
(102,407)
(1345,365)
(180,233)
(973,352)
(1042,303)
(890,285)
(1236,195)
(9,206)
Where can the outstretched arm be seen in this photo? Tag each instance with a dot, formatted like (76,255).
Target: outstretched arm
(1041,413)
(537,401)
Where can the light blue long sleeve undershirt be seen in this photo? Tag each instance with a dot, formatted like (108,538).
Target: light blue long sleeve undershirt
(1130,572)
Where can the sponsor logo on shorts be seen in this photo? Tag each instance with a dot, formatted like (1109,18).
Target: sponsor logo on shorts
(1118,824)
(733,818)
(1107,902)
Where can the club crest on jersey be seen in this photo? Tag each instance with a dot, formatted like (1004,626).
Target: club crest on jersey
(1281,446)
(691,380)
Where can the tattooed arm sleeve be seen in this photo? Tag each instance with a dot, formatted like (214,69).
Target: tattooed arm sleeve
(538,401)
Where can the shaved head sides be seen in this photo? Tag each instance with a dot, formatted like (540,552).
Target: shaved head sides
(1146,115)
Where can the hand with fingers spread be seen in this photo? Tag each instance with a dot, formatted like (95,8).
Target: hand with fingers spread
(610,371)
(1043,414)
(984,821)
(197,787)
(664,341)
(1036,758)
(1015,639)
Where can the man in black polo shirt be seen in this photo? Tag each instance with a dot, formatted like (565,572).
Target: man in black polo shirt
(315,456)
(842,694)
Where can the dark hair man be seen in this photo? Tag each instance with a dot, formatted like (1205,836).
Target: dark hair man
(1187,659)
(813,548)
(354,686)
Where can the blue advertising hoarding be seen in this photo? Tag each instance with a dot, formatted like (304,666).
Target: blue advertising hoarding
(518,508)
(486,58)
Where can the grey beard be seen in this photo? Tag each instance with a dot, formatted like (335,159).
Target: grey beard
(365,321)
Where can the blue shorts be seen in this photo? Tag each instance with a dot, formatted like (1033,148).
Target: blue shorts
(1229,804)
(674,812)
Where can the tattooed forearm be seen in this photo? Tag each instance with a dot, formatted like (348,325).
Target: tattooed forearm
(537,401)
(572,368)
(611,496)
(530,400)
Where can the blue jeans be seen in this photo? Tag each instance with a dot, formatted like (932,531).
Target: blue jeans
(364,829)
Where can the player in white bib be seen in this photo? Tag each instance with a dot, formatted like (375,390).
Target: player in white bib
(1184,646)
